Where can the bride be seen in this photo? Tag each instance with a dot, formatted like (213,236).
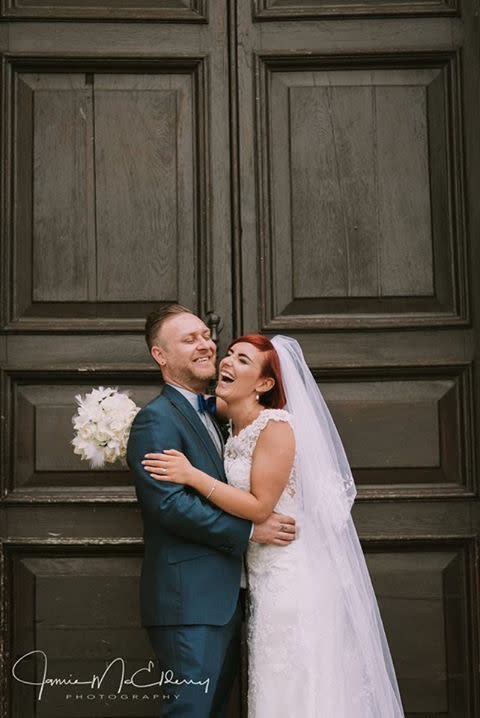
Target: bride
(316,643)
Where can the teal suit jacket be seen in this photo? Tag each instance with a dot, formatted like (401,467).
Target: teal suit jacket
(193,550)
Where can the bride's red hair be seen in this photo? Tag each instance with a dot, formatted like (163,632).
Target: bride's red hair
(275,398)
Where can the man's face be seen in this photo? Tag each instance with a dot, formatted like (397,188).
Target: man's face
(185,352)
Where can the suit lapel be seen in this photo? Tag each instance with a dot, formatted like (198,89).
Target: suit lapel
(219,433)
(197,425)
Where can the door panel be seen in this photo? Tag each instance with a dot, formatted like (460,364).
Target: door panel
(76,607)
(287,10)
(43,465)
(362,219)
(424,418)
(424,600)
(164,10)
(123,150)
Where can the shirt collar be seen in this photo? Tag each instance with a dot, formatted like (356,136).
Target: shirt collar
(190,396)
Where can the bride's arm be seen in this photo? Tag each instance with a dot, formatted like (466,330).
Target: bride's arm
(271,466)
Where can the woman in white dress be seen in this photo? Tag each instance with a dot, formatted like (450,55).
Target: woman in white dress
(316,643)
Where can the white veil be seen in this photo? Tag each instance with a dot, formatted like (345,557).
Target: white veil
(361,680)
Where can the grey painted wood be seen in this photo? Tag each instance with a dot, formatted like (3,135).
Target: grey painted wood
(401,145)
(210,107)
(326,350)
(320,244)
(346,206)
(62,108)
(342,129)
(179,208)
(161,10)
(378,520)
(288,10)
(43,435)
(136,172)
(150,222)
(420,618)
(22,213)
(442,216)
(126,164)
(408,411)
(365,182)
(351,110)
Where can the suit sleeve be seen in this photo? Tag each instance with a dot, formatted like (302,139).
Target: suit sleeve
(179,509)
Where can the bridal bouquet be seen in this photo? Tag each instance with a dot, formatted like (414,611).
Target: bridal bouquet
(102,425)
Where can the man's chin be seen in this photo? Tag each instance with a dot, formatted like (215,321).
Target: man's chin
(204,373)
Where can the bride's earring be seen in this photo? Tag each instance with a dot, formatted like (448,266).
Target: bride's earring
(257,398)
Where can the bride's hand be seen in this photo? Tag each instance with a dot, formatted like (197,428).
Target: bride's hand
(171,466)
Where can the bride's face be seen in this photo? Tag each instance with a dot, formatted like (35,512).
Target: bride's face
(240,374)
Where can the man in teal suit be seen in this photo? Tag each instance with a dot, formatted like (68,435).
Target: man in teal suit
(191,574)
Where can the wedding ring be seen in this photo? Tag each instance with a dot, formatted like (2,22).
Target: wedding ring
(282,527)
(164,470)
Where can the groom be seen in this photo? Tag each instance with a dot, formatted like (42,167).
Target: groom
(190,581)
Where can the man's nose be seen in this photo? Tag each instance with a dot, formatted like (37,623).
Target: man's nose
(204,343)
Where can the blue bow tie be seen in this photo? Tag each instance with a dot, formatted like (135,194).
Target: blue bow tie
(207,405)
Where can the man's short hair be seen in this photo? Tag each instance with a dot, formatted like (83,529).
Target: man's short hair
(158,317)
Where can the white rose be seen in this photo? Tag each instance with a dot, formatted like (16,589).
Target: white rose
(117,424)
(87,432)
(102,432)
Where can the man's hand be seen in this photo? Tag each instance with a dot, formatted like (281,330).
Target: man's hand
(277,529)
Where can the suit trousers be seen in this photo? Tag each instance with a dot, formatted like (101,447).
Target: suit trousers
(197,655)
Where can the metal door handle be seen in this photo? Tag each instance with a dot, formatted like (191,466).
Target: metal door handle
(215,324)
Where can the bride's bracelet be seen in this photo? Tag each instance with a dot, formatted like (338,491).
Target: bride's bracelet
(214,486)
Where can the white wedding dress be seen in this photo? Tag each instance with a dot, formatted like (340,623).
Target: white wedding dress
(302,662)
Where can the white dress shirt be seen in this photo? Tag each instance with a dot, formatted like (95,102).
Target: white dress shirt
(204,417)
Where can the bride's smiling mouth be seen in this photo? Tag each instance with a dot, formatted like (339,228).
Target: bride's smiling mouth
(226,378)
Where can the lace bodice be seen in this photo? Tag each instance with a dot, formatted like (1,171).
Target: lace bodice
(238,456)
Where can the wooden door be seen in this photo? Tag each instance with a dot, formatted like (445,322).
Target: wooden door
(358,227)
(115,198)
(300,167)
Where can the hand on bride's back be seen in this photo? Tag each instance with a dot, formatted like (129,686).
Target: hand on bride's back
(277,529)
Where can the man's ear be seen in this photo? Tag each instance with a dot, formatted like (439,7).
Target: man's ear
(158,355)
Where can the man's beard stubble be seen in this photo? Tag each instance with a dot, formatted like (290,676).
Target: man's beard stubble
(203,384)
